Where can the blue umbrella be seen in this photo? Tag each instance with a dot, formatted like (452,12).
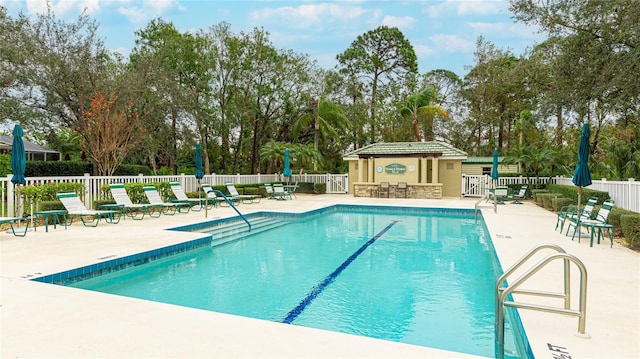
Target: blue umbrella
(582,176)
(494,169)
(199,173)
(18,157)
(287,164)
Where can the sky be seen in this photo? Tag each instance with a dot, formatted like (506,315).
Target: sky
(443,32)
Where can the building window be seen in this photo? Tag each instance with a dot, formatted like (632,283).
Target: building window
(449,165)
(486,171)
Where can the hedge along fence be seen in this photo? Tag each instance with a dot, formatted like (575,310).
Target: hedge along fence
(630,224)
(572,193)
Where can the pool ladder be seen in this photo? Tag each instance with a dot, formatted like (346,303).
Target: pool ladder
(502,293)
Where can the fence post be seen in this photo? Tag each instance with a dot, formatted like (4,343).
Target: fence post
(10,197)
(632,205)
(87,187)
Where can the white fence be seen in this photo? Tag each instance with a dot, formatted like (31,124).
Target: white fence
(626,194)
(336,183)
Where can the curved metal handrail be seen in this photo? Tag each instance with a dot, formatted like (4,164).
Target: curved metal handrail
(580,313)
(232,206)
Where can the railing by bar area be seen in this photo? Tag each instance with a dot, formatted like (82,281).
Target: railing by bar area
(336,183)
(626,194)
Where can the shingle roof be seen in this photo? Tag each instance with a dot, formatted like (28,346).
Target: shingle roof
(7,141)
(481,160)
(386,149)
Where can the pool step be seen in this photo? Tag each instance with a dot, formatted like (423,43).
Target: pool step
(231,231)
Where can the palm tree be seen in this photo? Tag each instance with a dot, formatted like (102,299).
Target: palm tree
(417,107)
(327,119)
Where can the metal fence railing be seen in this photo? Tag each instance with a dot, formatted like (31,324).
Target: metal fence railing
(336,183)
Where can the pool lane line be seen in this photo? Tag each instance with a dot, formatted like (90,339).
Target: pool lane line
(318,288)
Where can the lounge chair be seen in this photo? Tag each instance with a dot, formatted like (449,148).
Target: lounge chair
(571,211)
(211,196)
(516,197)
(11,221)
(168,208)
(196,203)
(599,223)
(246,198)
(133,210)
(76,209)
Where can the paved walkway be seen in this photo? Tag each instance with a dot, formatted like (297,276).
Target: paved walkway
(41,320)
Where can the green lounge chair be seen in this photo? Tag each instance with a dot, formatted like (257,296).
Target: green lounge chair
(133,210)
(599,223)
(168,208)
(181,197)
(212,199)
(571,211)
(245,198)
(11,221)
(90,218)
(278,191)
(516,197)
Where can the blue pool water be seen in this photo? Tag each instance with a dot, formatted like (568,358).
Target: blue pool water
(422,277)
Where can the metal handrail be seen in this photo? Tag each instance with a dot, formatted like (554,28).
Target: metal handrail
(232,206)
(582,306)
(484,197)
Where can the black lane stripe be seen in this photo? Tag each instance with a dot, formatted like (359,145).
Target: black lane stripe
(318,288)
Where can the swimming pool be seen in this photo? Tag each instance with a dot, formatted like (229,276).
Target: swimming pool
(416,276)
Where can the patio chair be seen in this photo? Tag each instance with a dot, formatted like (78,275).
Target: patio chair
(278,191)
(196,204)
(269,189)
(246,198)
(572,212)
(384,187)
(90,218)
(168,208)
(599,223)
(498,194)
(516,197)
(11,221)
(133,210)
(401,187)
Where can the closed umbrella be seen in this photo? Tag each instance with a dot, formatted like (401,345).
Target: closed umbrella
(494,169)
(287,164)
(582,176)
(18,162)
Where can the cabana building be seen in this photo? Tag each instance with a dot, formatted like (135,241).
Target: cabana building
(34,152)
(431,169)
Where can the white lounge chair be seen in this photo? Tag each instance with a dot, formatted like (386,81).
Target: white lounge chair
(169,208)
(90,218)
(133,210)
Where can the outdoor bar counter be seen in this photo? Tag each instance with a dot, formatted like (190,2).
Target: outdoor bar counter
(414,190)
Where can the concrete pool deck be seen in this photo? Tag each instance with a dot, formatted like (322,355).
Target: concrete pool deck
(43,320)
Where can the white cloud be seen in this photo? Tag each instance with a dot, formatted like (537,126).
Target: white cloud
(402,23)
(148,9)
(62,7)
(452,43)
(488,27)
(309,15)
(466,8)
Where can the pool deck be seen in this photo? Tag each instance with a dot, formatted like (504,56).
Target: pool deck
(43,320)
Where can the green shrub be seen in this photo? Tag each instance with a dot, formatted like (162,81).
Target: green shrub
(320,188)
(534,193)
(50,206)
(572,192)
(539,198)
(630,224)
(134,191)
(614,219)
(548,198)
(98,203)
(560,202)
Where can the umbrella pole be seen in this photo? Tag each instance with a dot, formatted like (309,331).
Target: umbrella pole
(579,198)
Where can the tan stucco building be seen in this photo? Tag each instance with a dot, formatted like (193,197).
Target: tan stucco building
(430,169)
(476,166)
